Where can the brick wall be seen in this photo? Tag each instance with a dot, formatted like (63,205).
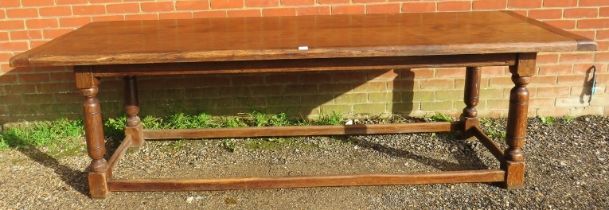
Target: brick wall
(46,93)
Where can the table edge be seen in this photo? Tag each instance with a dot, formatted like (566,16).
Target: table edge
(22,60)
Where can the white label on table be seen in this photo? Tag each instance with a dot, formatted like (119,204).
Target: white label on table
(303,48)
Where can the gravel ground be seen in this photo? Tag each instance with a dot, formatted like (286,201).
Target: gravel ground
(567,169)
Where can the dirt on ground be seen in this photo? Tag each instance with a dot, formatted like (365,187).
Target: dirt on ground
(566,169)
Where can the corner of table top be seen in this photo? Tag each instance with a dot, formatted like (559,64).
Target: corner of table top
(583,43)
(20,60)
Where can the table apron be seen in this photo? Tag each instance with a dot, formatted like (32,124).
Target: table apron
(300,65)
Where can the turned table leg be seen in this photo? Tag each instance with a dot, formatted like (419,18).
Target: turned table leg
(514,164)
(94,132)
(471,97)
(134,125)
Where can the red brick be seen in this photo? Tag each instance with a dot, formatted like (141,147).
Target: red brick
(208,14)
(383,8)
(324,10)
(547,58)
(413,7)
(584,68)
(604,12)
(559,3)
(602,78)
(104,1)
(4,68)
(602,57)
(438,84)
(123,8)
(593,3)
(495,70)
(10,3)
(20,89)
(142,17)
(157,6)
(89,10)
(385,76)
(179,15)
(500,82)
(581,13)
(54,33)
(11,24)
(555,69)
(8,79)
(422,73)
(62,76)
(42,23)
(332,1)
(279,12)
(22,13)
(4,36)
(521,12)
(546,14)
(489,4)
(52,69)
(107,18)
(524,3)
(55,11)
(551,92)
(454,6)
(366,1)
(26,35)
(29,3)
(543,81)
(223,4)
(192,5)
(33,78)
(36,43)
(570,79)
(243,13)
(55,88)
(587,33)
(348,9)
(450,72)
(70,2)
(579,57)
(2,14)
(297,2)
(73,21)
(4,56)
(261,3)
(14,46)
(564,24)
(593,23)
(602,45)
(12,99)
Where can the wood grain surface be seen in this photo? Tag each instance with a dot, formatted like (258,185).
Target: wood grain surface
(273,38)
(305,181)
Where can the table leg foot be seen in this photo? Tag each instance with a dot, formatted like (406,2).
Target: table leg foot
(137,135)
(514,174)
(98,185)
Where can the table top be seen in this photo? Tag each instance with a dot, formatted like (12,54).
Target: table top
(300,37)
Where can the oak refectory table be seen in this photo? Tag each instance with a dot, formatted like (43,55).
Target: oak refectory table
(307,43)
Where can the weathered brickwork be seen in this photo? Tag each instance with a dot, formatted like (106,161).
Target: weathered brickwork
(560,88)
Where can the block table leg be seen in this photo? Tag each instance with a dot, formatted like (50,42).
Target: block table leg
(471,96)
(514,163)
(132,108)
(94,132)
